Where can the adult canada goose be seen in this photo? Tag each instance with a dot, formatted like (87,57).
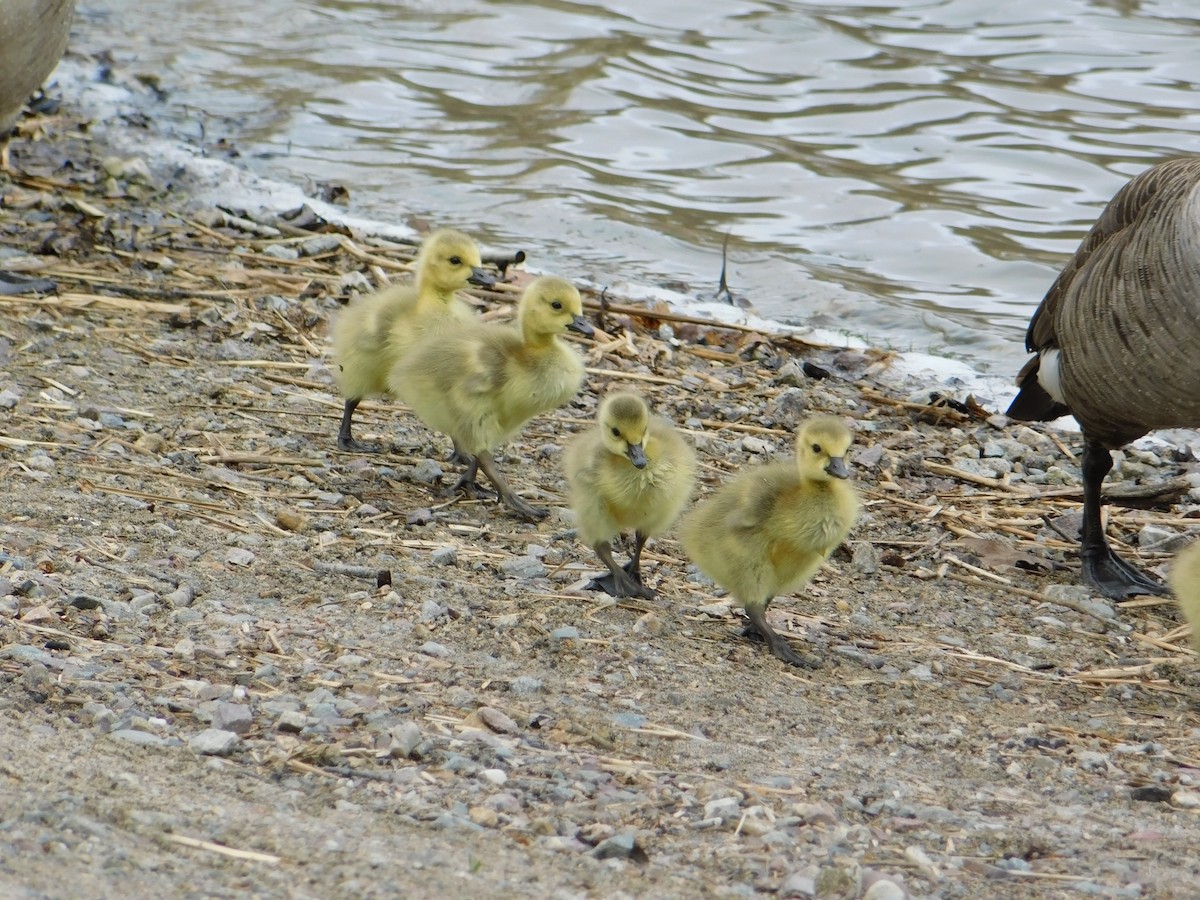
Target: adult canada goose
(482,383)
(1184,579)
(1116,337)
(630,472)
(370,336)
(768,530)
(33,36)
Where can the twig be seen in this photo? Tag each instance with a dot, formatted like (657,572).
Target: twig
(233,853)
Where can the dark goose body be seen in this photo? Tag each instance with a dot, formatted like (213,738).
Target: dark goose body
(1118,337)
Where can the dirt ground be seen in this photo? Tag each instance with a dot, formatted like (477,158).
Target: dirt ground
(205,692)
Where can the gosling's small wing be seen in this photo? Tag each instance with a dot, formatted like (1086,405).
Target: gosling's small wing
(756,498)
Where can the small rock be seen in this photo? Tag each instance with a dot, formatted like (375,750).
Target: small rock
(884,890)
(182,596)
(434,649)
(8,399)
(239,556)
(325,243)
(619,846)
(1185,800)
(566,633)
(141,738)
(427,471)
(497,721)
(839,881)
(291,721)
(280,251)
(184,649)
(404,740)
(865,558)
(444,556)
(791,374)
(869,457)
(752,444)
(494,776)
(798,884)
(1073,592)
(235,717)
(214,742)
(484,815)
(523,567)
(724,808)
(525,684)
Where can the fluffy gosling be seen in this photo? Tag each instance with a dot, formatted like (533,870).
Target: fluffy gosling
(372,335)
(1184,579)
(768,530)
(630,472)
(482,383)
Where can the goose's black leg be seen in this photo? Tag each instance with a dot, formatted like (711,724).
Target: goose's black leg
(778,645)
(345,441)
(1103,569)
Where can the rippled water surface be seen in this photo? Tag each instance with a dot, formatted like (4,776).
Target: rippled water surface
(915,172)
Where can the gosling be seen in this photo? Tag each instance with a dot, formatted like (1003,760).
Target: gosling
(1114,338)
(481,384)
(631,472)
(768,530)
(1184,579)
(372,335)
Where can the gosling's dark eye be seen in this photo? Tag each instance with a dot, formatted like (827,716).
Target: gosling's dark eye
(556,304)
(456,260)
(816,448)
(616,431)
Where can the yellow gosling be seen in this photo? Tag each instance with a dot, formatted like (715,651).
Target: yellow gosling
(630,472)
(372,335)
(768,530)
(1184,579)
(482,383)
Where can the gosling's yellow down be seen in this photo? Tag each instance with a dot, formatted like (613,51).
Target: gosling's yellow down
(482,383)
(630,472)
(768,530)
(372,335)
(1184,579)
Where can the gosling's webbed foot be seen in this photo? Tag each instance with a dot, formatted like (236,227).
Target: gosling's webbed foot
(525,510)
(350,445)
(779,647)
(628,584)
(471,489)
(1117,579)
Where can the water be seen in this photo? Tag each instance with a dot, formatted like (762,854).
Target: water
(914,173)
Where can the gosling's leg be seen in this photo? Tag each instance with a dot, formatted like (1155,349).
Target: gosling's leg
(511,500)
(634,566)
(467,483)
(344,440)
(1102,569)
(778,646)
(458,455)
(620,582)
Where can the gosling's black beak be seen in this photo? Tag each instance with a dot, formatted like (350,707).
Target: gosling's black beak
(637,455)
(837,467)
(481,277)
(580,324)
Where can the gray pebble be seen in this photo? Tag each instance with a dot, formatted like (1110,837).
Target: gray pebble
(884,890)
(523,567)
(566,633)
(724,808)
(214,742)
(444,556)
(427,471)
(8,398)
(1073,592)
(619,846)
(791,374)
(280,251)
(865,558)
(141,738)
(525,684)
(291,720)
(798,884)
(235,717)
(434,649)
(404,740)
(182,596)
(325,243)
